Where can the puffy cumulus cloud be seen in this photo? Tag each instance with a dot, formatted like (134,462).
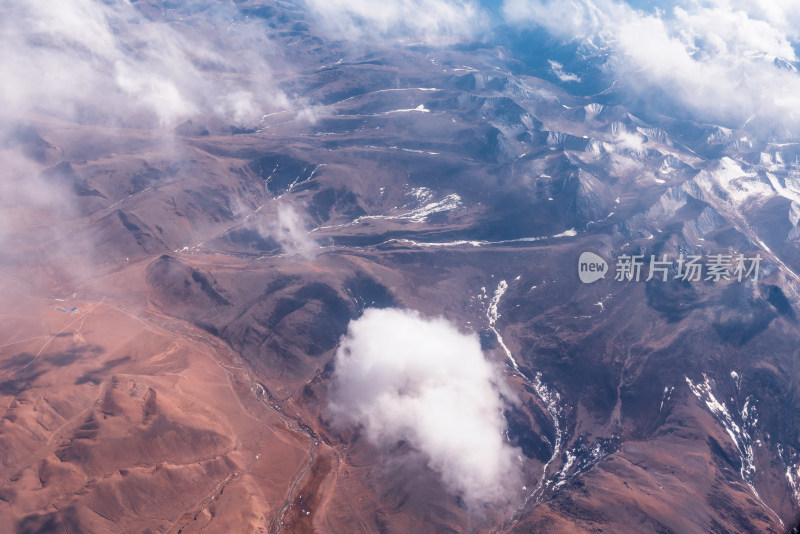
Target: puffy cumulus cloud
(722,60)
(404,377)
(119,63)
(431,21)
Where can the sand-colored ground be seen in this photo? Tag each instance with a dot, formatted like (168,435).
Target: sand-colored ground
(115,421)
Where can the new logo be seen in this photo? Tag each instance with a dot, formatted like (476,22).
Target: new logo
(591,267)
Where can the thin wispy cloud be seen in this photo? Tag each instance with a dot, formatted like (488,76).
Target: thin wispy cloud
(726,61)
(558,69)
(110,63)
(430,21)
(290,229)
(719,60)
(117,64)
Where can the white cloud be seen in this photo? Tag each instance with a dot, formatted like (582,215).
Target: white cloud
(558,69)
(25,196)
(574,19)
(722,60)
(108,63)
(286,225)
(432,21)
(404,377)
(116,63)
(291,231)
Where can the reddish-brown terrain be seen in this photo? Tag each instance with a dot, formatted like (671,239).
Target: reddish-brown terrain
(174,296)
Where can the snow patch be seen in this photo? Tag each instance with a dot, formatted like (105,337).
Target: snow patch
(741,436)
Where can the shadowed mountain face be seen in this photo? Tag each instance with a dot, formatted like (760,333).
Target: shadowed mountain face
(214,270)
